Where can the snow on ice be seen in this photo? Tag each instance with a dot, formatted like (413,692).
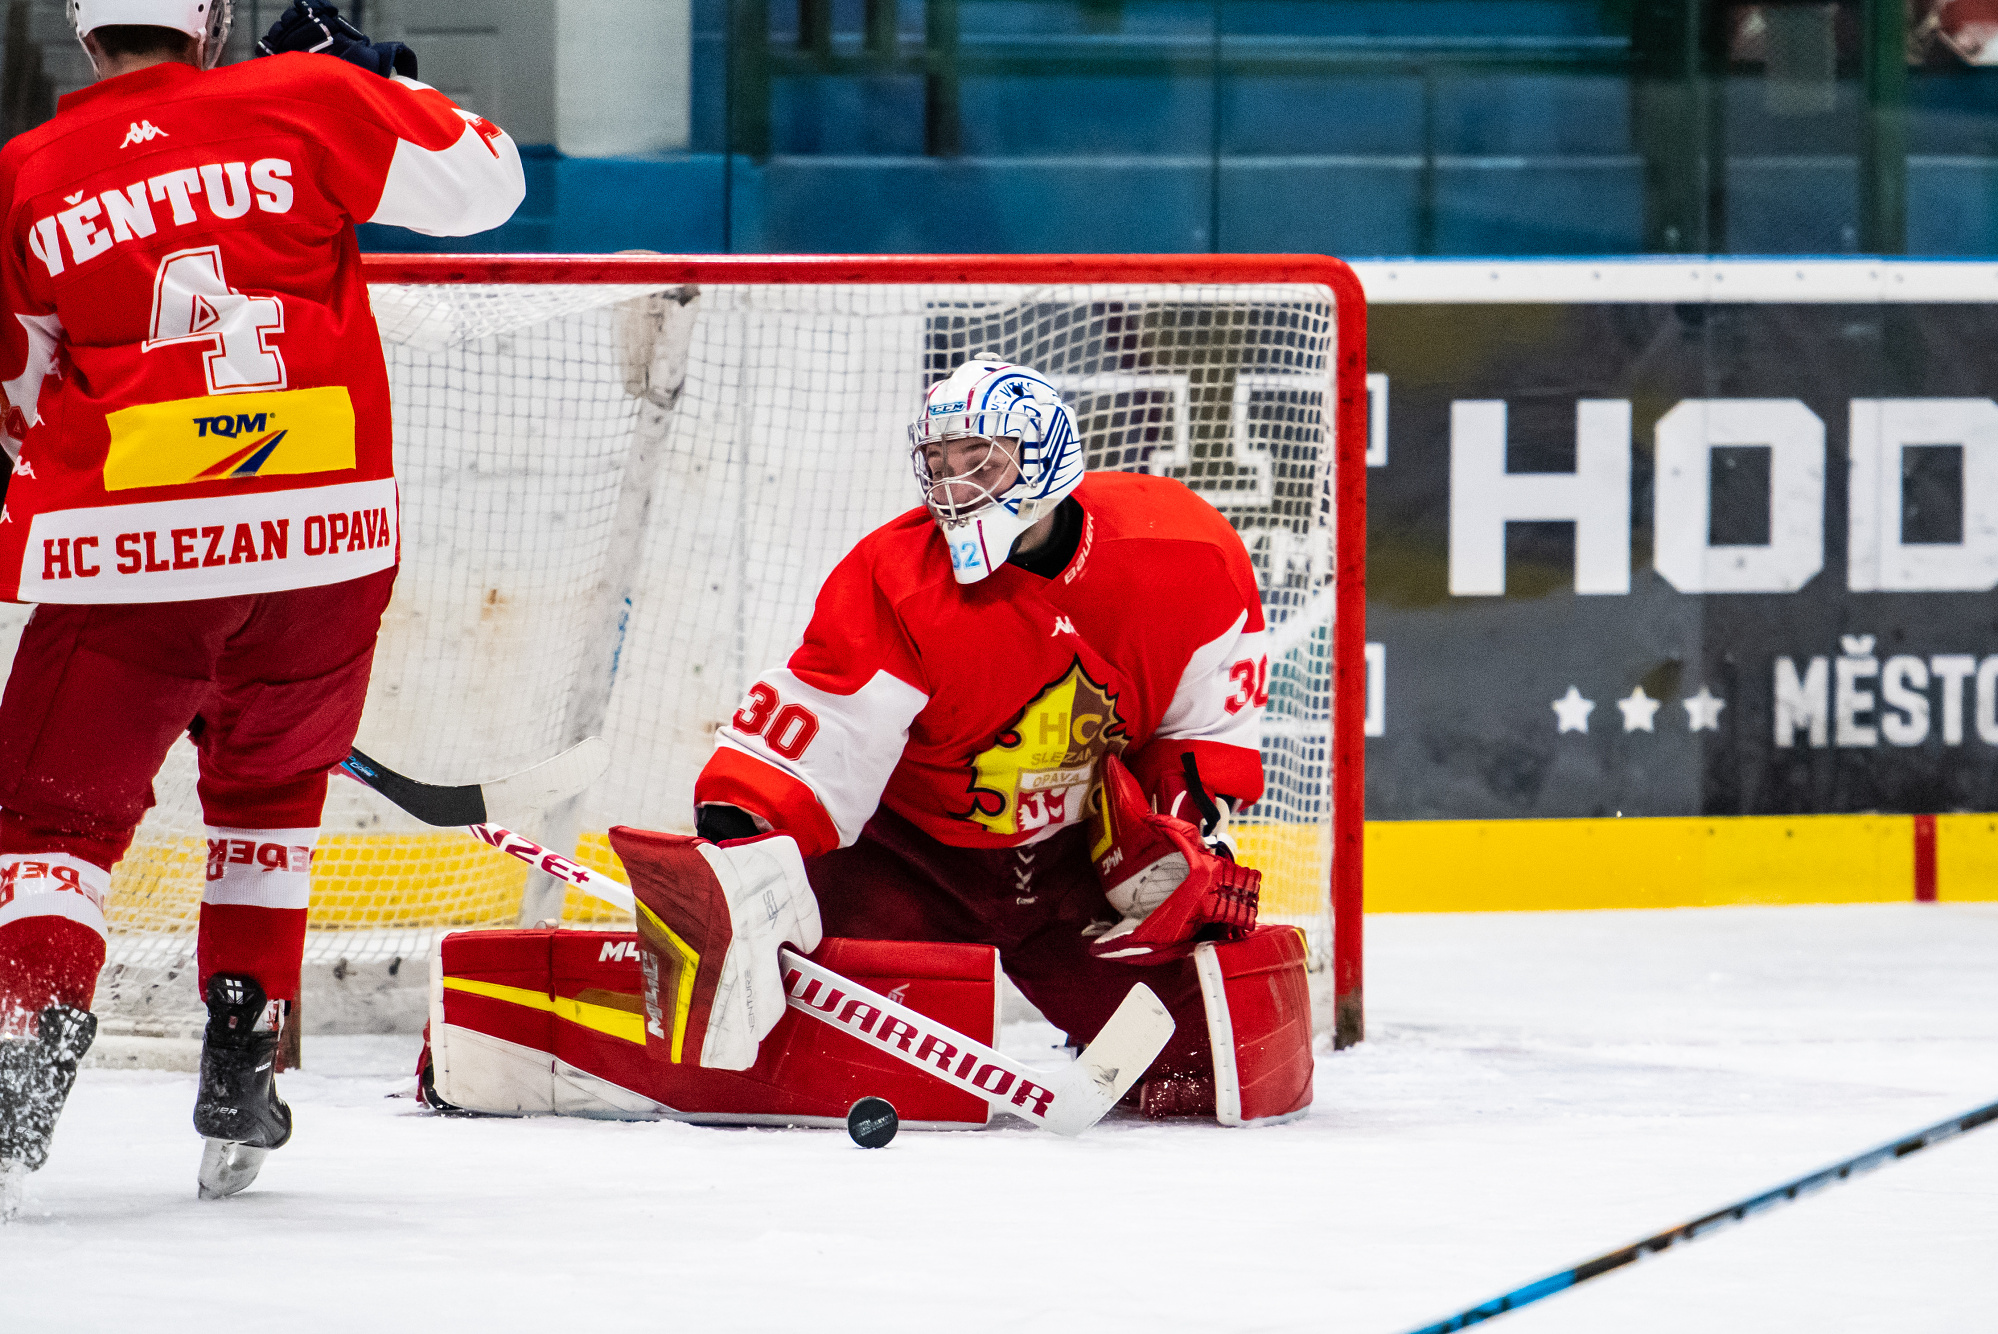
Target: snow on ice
(1535,1088)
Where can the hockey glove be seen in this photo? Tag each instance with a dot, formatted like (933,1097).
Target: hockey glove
(710,919)
(316,25)
(1172,890)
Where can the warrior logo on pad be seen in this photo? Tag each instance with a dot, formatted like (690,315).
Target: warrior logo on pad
(261,435)
(1038,771)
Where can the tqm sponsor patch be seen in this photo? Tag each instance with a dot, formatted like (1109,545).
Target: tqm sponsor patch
(230,437)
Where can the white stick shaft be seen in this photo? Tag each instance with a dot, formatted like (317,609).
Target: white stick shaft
(594,883)
(921,1041)
(851,1008)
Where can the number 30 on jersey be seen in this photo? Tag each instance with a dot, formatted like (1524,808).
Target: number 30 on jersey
(786,728)
(1251,680)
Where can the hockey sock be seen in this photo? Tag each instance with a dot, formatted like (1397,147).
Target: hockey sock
(253,908)
(51,934)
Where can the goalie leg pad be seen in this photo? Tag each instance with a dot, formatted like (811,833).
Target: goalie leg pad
(1258,1005)
(554,1022)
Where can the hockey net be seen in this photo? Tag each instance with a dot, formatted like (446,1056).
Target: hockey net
(624,479)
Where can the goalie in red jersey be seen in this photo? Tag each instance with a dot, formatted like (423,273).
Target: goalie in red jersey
(1020,716)
(203,501)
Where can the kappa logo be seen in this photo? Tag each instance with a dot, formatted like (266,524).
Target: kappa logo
(900,995)
(142,132)
(23,468)
(1063,626)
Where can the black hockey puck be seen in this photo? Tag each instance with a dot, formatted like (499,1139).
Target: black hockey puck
(872,1123)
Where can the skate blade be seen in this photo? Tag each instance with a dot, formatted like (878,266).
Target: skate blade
(13,1189)
(227,1168)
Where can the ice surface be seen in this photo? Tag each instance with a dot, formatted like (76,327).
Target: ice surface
(1536,1088)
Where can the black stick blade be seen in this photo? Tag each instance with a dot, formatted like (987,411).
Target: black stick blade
(428,802)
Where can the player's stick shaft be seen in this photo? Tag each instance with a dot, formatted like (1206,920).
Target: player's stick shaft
(1734,1213)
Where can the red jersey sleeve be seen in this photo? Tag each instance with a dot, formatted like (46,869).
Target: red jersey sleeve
(403,153)
(1216,711)
(30,351)
(812,746)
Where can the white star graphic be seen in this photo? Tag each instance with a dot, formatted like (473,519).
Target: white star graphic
(1639,710)
(1703,711)
(1573,711)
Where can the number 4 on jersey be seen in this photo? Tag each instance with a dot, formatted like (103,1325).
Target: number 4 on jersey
(193,303)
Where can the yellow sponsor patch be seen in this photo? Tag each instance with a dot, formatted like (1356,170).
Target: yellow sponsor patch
(230,436)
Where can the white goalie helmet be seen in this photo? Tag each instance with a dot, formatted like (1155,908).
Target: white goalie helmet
(978,500)
(207,19)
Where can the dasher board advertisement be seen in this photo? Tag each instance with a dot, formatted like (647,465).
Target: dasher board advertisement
(1664,538)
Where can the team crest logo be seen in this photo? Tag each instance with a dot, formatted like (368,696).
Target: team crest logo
(1037,773)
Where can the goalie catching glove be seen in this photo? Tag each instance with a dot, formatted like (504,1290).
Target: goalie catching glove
(711,917)
(1174,886)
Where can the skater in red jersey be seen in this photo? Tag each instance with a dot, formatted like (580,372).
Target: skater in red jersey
(203,502)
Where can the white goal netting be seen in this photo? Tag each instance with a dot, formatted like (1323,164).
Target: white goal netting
(619,503)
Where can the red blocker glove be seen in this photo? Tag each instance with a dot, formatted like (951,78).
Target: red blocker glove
(1158,872)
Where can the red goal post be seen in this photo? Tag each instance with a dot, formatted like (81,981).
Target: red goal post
(618,483)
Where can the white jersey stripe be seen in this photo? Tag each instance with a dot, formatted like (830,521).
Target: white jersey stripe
(1215,699)
(849,757)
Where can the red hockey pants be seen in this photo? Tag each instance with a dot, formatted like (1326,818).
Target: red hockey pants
(269,686)
(898,883)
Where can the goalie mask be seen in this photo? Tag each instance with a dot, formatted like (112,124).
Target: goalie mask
(205,19)
(995,451)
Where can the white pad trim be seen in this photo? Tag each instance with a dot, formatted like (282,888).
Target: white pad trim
(1220,1034)
(260,868)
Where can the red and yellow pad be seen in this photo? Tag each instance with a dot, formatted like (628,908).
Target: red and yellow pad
(542,1022)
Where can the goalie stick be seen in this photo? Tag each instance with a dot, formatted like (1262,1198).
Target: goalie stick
(1066,1101)
(1857,1165)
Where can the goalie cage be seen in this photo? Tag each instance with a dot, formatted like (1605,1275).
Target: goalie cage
(623,480)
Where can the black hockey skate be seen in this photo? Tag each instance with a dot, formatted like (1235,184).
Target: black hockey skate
(36,1075)
(238,1110)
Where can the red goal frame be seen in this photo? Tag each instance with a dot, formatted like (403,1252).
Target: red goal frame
(1349,682)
